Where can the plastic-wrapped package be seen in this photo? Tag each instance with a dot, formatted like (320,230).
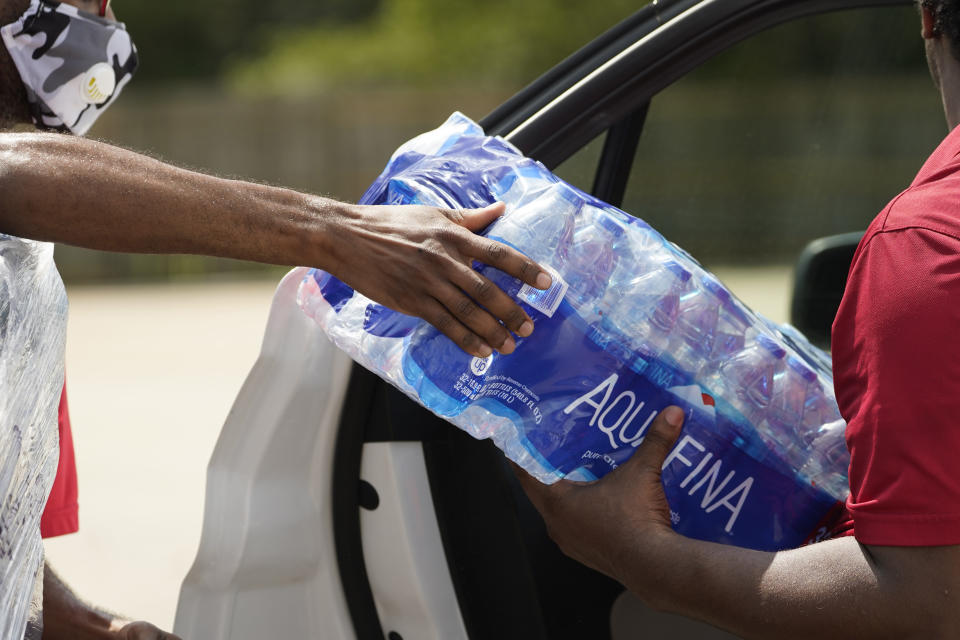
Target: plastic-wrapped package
(631,325)
(33,316)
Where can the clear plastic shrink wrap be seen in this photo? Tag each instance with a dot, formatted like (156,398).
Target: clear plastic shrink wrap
(631,325)
(33,316)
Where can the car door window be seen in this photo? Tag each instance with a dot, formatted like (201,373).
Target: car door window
(805,130)
(580,169)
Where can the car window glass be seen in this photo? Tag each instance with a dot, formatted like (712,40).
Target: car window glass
(805,130)
(580,169)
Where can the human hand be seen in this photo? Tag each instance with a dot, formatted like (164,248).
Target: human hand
(126,630)
(418,260)
(600,524)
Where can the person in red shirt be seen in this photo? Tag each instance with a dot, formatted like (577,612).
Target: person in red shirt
(896,574)
(895,355)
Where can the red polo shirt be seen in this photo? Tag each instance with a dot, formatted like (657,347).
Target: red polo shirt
(896,362)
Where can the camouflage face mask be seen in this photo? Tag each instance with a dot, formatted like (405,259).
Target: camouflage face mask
(72,63)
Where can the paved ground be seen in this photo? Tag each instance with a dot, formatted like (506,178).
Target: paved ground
(152,373)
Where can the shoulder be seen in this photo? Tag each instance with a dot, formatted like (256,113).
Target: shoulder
(931,201)
(912,249)
(916,263)
(932,206)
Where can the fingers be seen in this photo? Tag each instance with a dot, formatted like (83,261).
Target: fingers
(658,442)
(479,321)
(507,260)
(477,303)
(498,305)
(471,327)
(478,219)
(441,317)
(144,631)
(496,254)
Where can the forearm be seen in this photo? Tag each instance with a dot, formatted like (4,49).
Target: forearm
(414,259)
(620,525)
(831,589)
(80,192)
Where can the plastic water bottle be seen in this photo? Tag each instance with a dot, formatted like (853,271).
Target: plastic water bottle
(821,409)
(697,319)
(815,358)
(746,380)
(794,386)
(591,261)
(731,331)
(542,228)
(829,459)
(523,183)
(312,302)
(635,253)
(648,320)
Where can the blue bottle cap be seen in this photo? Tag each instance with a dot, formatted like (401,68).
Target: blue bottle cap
(805,372)
(623,218)
(642,225)
(608,223)
(771,345)
(532,170)
(566,192)
(714,286)
(677,270)
(730,304)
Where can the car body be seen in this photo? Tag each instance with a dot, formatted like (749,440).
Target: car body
(337,508)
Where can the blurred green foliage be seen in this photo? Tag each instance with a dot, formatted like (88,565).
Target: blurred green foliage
(288,46)
(185,40)
(804,130)
(300,47)
(431,41)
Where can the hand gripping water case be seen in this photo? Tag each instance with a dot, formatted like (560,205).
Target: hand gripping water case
(631,325)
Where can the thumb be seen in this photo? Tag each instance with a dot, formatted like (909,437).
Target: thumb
(656,445)
(478,219)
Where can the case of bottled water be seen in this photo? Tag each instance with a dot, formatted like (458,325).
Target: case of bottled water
(631,325)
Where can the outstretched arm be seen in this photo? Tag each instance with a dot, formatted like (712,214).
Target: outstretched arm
(620,526)
(414,259)
(66,616)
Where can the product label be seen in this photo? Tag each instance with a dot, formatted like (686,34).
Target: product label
(546,300)
(582,411)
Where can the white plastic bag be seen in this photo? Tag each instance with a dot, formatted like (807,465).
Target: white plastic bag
(33,317)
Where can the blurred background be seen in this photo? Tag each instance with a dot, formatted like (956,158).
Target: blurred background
(798,133)
(805,131)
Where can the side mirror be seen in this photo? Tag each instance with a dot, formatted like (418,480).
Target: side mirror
(819,281)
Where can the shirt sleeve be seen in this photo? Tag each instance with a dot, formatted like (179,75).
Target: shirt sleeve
(61,513)
(897,375)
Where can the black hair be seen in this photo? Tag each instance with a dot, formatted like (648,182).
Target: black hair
(946,21)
